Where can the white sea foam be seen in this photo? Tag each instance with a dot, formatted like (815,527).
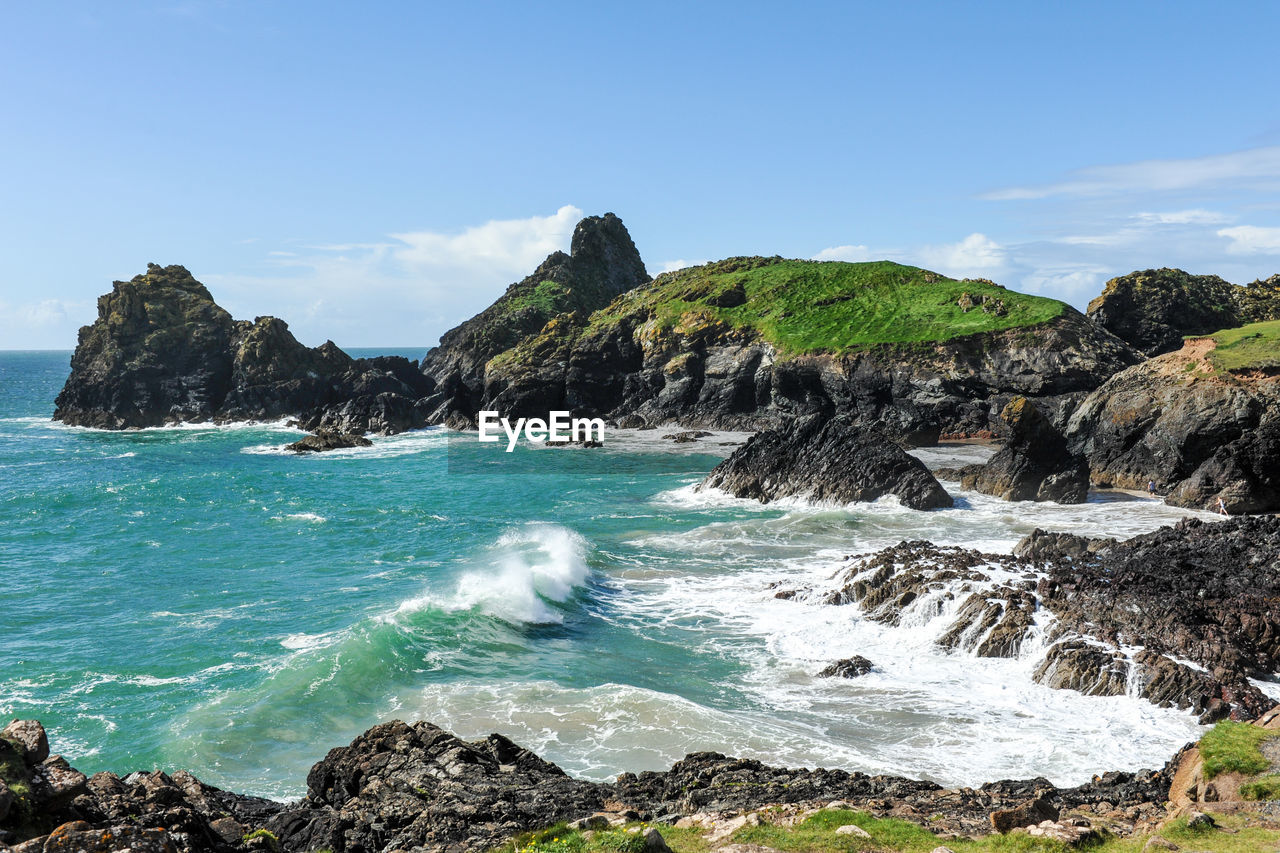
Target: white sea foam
(525,570)
(384,447)
(301,516)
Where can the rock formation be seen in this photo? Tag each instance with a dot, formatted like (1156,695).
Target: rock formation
(1153,310)
(1033,465)
(602,264)
(1199,432)
(681,349)
(1185,616)
(414,786)
(162,352)
(826,459)
(326,439)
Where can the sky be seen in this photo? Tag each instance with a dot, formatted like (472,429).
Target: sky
(375,173)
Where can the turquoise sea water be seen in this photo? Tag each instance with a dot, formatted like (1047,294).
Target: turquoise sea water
(196,597)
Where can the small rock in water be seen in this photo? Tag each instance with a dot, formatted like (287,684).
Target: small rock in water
(848,668)
(326,439)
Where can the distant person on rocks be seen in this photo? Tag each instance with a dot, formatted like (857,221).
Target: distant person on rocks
(1222,507)
(1151,488)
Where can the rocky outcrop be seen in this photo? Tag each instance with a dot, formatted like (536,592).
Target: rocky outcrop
(159,352)
(162,352)
(1199,432)
(403,786)
(847,668)
(634,366)
(328,440)
(1153,310)
(602,264)
(826,459)
(1033,465)
(1184,616)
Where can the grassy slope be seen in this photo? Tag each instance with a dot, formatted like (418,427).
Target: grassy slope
(818,834)
(810,306)
(1252,347)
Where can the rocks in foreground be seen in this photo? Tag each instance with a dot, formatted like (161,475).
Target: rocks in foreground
(327,439)
(403,786)
(826,459)
(1185,616)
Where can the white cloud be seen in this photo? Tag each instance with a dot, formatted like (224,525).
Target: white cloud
(1252,240)
(844,253)
(35,325)
(510,246)
(672,266)
(1195,216)
(404,291)
(1245,169)
(975,255)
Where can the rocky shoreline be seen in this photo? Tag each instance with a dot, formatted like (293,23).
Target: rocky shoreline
(416,787)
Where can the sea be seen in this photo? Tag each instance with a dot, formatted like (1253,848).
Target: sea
(197,597)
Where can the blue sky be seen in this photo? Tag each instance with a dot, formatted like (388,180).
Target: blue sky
(375,173)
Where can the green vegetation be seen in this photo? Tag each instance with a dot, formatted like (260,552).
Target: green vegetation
(1252,347)
(547,297)
(268,838)
(1266,788)
(817,834)
(809,306)
(1232,747)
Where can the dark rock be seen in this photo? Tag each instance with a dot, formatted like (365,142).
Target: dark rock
(1153,310)
(159,352)
(826,459)
(1034,464)
(1199,434)
(1041,545)
(1202,601)
(602,264)
(847,668)
(328,440)
(687,436)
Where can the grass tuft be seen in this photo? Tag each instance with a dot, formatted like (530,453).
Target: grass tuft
(1232,747)
(1252,347)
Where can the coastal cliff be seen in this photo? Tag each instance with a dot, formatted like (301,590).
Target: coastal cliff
(750,343)
(1153,310)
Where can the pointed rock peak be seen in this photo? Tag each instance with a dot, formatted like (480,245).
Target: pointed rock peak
(602,250)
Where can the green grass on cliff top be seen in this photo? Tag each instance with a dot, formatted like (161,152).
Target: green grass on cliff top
(1252,347)
(809,306)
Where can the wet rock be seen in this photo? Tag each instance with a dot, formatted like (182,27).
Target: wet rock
(826,459)
(1200,600)
(851,667)
(1042,545)
(686,436)
(328,440)
(1034,464)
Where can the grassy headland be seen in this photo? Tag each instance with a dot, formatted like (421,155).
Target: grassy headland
(829,306)
(1252,347)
